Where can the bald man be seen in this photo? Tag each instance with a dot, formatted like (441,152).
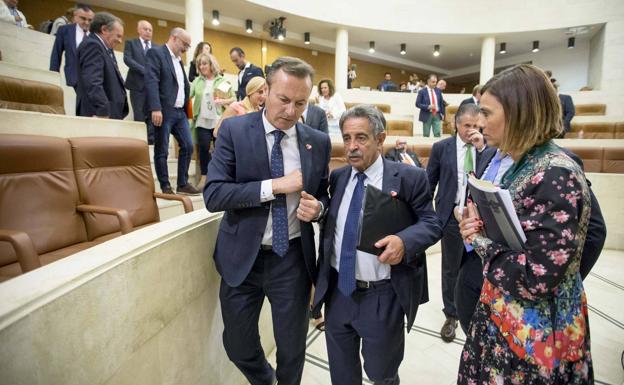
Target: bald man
(135,51)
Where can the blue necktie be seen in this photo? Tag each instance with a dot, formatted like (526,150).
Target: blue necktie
(346,275)
(279,213)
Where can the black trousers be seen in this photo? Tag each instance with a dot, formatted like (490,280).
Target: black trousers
(452,250)
(137,98)
(286,283)
(204,139)
(468,289)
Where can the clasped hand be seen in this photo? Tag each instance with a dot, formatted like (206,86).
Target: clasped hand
(470,223)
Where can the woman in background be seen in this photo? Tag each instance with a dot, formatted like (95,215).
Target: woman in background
(211,93)
(530,325)
(256,95)
(202,47)
(333,105)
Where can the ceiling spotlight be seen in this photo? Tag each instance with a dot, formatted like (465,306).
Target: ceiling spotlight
(535,46)
(403,51)
(571,42)
(503,48)
(248,26)
(371,47)
(215,17)
(277,29)
(436,50)
(306,38)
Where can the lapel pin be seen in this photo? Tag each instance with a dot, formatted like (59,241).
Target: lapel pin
(308,146)
(393,194)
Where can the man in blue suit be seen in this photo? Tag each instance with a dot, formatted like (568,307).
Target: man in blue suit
(135,51)
(167,92)
(269,174)
(367,297)
(68,37)
(432,109)
(450,161)
(100,87)
(247,71)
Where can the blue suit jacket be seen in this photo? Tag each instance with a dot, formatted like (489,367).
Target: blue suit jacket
(567,111)
(249,73)
(442,172)
(408,278)
(316,118)
(161,85)
(134,57)
(100,89)
(423,102)
(239,164)
(65,41)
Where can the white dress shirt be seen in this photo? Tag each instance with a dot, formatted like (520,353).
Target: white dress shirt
(149,44)
(80,35)
(177,66)
(367,266)
(241,72)
(461,153)
(292,162)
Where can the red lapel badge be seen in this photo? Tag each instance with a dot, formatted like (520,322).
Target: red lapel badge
(393,194)
(308,146)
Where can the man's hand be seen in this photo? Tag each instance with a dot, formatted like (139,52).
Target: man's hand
(157,118)
(431,107)
(476,138)
(287,184)
(394,250)
(309,208)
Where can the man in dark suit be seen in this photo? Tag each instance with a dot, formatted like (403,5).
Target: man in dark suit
(101,90)
(432,109)
(246,70)
(367,297)
(474,99)
(67,39)
(167,92)
(401,153)
(451,159)
(567,111)
(135,51)
(269,174)
(316,118)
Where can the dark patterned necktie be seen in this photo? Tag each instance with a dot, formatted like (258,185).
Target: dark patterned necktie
(346,274)
(279,213)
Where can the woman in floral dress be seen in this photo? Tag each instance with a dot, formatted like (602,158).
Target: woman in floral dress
(530,325)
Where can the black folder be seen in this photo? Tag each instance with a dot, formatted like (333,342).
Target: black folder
(382,215)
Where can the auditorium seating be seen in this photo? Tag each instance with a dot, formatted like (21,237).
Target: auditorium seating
(590,109)
(385,108)
(448,125)
(30,95)
(337,156)
(613,160)
(62,196)
(592,130)
(619,130)
(400,127)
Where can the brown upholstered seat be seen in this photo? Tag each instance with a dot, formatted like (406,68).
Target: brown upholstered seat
(613,160)
(619,130)
(337,156)
(385,108)
(592,130)
(591,157)
(30,95)
(424,152)
(590,109)
(400,128)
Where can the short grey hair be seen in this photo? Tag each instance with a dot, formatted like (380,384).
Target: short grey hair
(467,109)
(101,19)
(376,120)
(292,66)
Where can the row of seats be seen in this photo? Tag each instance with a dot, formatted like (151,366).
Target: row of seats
(602,130)
(385,108)
(61,196)
(595,159)
(30,95)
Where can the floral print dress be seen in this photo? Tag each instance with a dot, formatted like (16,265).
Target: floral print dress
(530,325)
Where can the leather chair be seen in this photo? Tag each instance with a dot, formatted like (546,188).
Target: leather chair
(385,108)
(619,130)
(591,157)
(590,109)
(30,95)
(613,160)
(400,128)
(338,158)
(424,152)
(602,130)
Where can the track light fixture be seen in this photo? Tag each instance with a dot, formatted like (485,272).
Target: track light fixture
(571,42)
(535,46)
(306,38)
(215,18)
(436,50)
(277,29)
(503,48)
(248,26)
(403,46)
(371,47)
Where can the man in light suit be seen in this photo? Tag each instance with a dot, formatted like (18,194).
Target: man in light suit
(67,39)
(450,161)
(315,117)
(135,51)
(474,99)
(100,87)
(432,108)
(246,70)
(367,297)
(269,174)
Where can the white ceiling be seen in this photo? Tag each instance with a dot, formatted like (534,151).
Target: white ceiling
(457,51)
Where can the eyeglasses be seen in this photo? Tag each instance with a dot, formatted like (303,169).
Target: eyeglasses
(186,44)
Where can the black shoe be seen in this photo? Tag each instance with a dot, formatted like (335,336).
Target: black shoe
(188,189)
(167,190)
(448,329)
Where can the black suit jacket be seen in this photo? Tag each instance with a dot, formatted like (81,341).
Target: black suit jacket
(470,100)
(101,89)
(316,118)
(567,111)
(442,172)
(408,278)
(65,41)
(161,85)
(248,73)
(394,155)
(239,164)
(134,57)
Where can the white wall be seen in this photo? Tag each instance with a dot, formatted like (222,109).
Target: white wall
(596,54)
